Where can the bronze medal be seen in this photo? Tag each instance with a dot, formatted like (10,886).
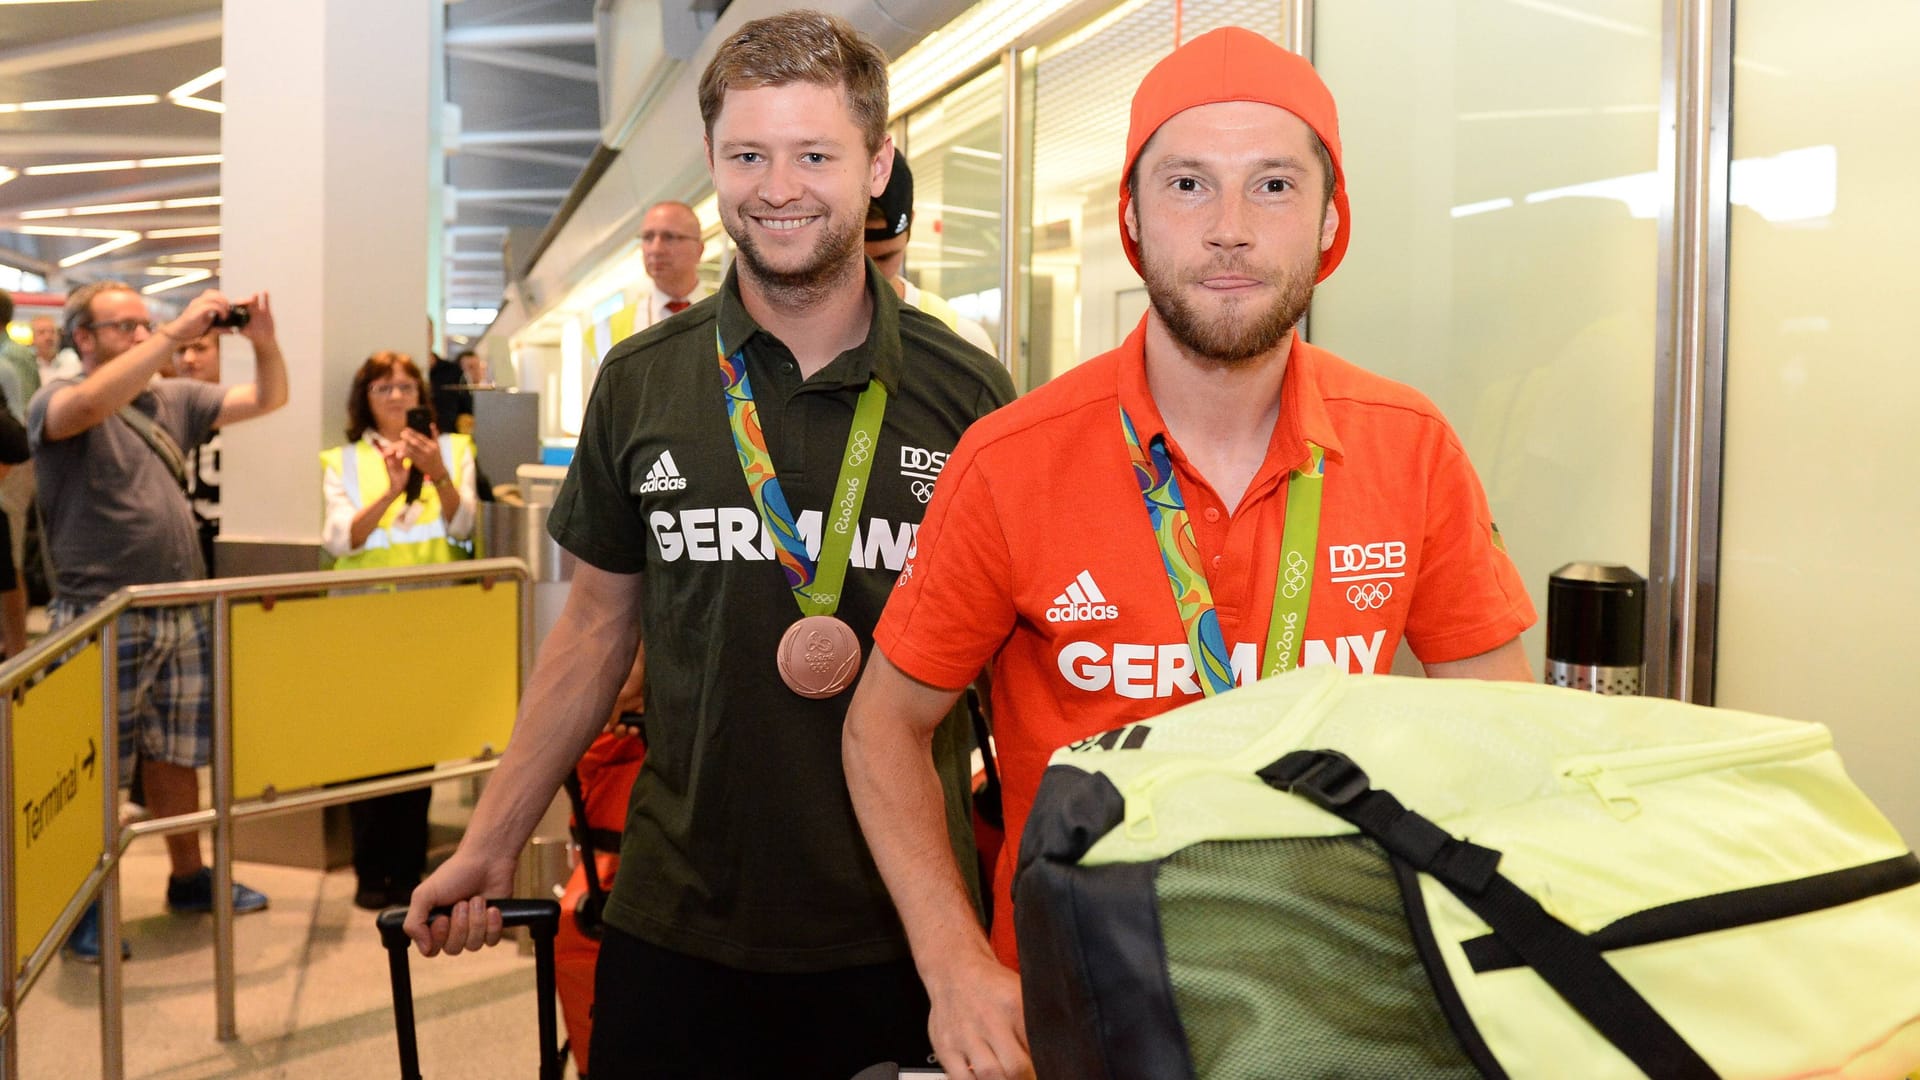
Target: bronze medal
(819,656)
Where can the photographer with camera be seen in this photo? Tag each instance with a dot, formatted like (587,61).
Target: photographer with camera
(398,493)
(108,458)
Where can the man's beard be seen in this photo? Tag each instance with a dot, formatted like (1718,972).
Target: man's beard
(834,259)
(1244,332)
(101,355)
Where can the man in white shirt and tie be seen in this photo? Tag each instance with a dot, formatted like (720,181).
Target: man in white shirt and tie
(670,245)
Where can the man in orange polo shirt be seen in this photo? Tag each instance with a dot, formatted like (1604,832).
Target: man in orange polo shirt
(1215,488)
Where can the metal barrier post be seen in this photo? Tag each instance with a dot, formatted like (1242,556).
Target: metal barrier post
(9,963)
(223,975)
(112,1017)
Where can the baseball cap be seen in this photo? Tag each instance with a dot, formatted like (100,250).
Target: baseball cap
(896,203)
(1236,64)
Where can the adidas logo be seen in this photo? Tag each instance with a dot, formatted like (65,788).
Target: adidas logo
(664,476)
(1082,602)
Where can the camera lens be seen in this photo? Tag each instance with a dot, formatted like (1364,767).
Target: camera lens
(236,317)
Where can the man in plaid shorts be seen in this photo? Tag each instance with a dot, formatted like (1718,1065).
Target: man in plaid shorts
(109,455)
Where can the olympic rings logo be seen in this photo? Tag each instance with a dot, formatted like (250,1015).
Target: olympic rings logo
(860,449)
(1369,595)
(1296,575)
(922,490)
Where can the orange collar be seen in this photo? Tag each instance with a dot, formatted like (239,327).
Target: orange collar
(1303,412)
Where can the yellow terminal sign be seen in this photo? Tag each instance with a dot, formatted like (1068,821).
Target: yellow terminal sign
(58,806)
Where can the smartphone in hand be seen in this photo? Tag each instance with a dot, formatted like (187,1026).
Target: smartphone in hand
(420,419)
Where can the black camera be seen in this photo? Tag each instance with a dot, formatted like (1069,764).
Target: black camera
(236,317)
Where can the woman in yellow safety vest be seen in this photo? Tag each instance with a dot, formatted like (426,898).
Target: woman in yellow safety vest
(372,520)
(376,518)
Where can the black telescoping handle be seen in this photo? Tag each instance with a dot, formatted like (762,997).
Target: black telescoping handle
(542,920)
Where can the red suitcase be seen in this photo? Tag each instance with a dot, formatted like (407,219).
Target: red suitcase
(598,787)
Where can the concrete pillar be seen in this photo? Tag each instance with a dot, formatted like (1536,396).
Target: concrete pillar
(330,186)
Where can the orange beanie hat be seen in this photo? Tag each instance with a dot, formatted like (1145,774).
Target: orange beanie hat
(1234,64)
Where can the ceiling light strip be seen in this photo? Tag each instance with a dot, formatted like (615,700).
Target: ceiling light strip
(970,40)
(187,278)
(95,252)
(65,230)
(189,159)
(198,83)
(80,103)
(78,167)
(119,208)
(116,166)
(185,93)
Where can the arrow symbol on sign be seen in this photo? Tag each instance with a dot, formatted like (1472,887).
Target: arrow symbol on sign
(88,762)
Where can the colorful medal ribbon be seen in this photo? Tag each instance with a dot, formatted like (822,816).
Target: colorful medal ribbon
(1193,598)
(815,584)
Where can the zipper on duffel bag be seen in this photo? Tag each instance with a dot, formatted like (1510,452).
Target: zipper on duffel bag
(1612,777)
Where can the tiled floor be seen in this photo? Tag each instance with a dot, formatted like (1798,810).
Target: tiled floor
(313,998)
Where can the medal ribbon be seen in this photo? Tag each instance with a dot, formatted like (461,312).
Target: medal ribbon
(1193,598)
(815,584)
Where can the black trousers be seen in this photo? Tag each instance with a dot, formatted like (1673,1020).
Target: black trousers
(662,1015)
(390,839)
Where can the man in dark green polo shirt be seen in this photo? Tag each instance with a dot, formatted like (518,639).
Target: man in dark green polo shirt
(761,462)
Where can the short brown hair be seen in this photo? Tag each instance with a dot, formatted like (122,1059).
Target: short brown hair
(801,46)
(79,309)
(378,366)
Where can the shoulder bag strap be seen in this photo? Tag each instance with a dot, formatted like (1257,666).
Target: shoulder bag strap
(1559,954)
(162,443)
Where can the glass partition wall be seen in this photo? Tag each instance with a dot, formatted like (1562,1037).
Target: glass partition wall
(953,147)
(1819,593)
(1501,162)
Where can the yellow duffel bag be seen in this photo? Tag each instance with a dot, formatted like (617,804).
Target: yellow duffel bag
(1325,875)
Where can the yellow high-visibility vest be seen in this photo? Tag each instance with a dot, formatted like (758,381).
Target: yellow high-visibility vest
(938,307)
(393,543)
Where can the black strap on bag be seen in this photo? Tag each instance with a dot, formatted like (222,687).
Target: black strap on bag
(164,447)
(987,800)
(587,916)
(1560,954)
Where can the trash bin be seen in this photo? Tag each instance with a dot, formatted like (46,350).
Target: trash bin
(519,531)
(1596,628)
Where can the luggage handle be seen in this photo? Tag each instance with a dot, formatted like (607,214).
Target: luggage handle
(535,915)
(542,920)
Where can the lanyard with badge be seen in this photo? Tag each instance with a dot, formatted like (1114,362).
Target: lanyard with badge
(819,655)
(1173,531)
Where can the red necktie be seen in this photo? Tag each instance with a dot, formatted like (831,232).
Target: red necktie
(675,307)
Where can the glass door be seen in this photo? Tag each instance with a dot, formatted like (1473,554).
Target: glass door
(1501,162)
(1819,594)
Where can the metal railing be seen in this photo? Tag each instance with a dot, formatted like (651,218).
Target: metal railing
(98,627)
